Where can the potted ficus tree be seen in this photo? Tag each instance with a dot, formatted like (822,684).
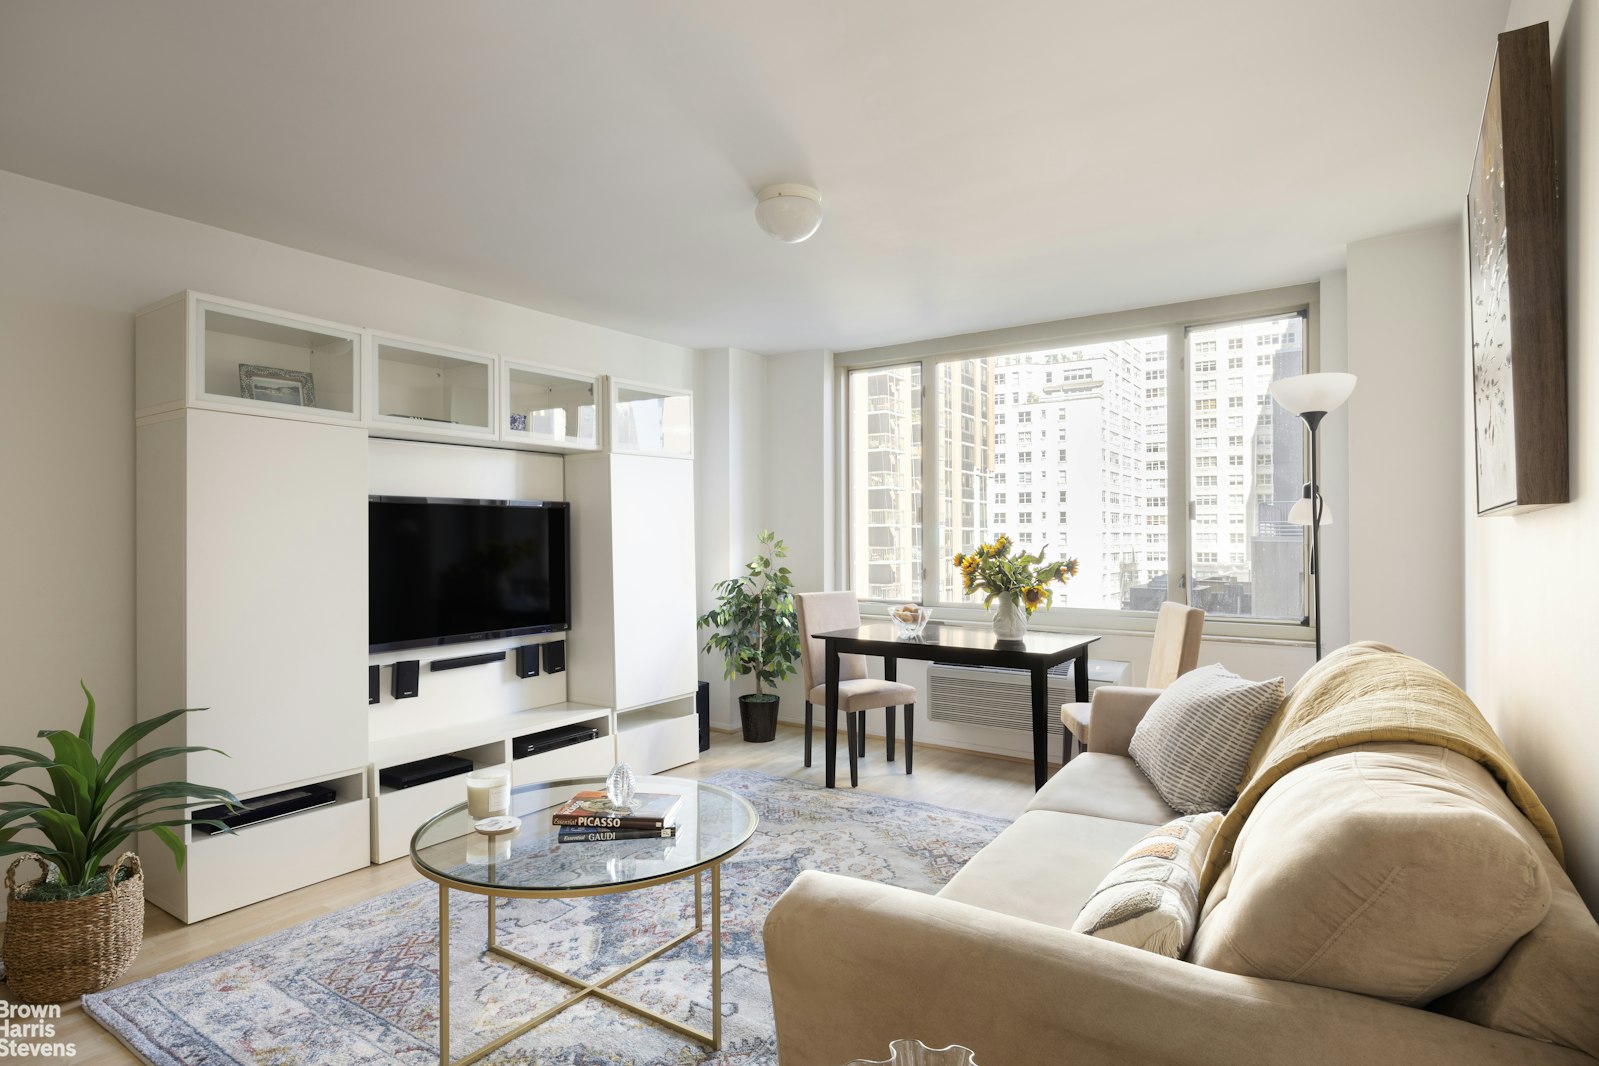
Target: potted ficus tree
(757,633)
(77,927)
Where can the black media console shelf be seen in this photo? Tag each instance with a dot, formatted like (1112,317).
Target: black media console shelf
(467,660)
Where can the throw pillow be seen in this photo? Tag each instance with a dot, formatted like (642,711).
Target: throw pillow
(1150,899)
(1195,741)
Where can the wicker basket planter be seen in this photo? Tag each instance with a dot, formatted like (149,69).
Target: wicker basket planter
(56,950)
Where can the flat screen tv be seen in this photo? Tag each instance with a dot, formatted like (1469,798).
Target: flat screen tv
(445,571)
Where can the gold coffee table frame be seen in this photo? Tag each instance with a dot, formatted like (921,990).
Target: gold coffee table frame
(585,988)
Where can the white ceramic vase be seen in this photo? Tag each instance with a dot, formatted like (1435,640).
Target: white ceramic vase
(1010,620)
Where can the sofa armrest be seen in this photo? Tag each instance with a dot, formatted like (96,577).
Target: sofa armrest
(1117,710)
(854,965)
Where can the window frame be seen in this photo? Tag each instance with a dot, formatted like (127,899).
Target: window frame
(1174,321)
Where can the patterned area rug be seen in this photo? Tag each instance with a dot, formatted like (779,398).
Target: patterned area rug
(361,985)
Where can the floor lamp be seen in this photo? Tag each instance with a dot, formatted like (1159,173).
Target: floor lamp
(1311,397)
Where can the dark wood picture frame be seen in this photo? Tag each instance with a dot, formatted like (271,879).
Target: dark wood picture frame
(1517,287)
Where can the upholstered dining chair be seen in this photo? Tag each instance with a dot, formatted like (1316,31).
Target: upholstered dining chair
(824,612)
(1176,651)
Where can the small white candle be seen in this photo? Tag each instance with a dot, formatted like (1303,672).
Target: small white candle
(488,792)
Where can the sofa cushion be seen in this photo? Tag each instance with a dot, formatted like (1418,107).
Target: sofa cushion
(1044,867)
(1104,786)
(1387,870)
(1196,739)
(1150,899)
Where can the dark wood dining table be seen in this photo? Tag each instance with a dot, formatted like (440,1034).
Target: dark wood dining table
(1036,653)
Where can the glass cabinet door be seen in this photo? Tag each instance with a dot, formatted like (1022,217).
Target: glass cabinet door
(650,420)
(278,364)
(432,390)
(556,408)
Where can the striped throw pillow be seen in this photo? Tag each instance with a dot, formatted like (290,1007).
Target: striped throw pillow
(1195,741)
(1150,899)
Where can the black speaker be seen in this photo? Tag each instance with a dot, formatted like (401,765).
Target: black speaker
(702,705)
(527,661)
(373,685)
(406,673)
(554,656)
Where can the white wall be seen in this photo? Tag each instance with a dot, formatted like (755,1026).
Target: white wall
(1531,583)
(729,451)
(800,481)
(73,269)
(1405,308)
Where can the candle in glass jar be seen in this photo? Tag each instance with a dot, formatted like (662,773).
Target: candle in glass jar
(488,792)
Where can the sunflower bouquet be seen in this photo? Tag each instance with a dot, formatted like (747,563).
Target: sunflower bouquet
(1022,578)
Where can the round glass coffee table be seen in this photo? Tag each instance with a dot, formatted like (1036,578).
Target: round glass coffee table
(713,824)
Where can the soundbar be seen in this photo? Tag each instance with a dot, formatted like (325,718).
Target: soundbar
(467,660)
(261,808)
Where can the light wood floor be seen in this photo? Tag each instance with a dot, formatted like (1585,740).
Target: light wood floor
(968,781)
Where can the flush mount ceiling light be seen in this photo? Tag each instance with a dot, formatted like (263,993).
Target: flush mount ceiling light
(788,212)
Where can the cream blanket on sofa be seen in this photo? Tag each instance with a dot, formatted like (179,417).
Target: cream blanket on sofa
(1370,692)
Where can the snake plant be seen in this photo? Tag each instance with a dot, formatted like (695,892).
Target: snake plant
(90,811)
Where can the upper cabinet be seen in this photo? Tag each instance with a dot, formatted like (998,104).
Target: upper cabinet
(429,391)
(651,420)
(202,351)
(545,408)
(194,350)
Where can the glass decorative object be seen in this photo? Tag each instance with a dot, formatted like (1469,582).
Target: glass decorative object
(916,1053)
(620,786)
(909,620)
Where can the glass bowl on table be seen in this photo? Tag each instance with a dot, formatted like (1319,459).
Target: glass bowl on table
(909,620)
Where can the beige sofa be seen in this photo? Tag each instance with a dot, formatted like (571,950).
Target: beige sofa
(990,961)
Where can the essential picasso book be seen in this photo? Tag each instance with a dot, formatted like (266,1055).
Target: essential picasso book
(650,810)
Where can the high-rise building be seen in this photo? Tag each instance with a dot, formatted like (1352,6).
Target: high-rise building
(886,483)
(886,471)
(1066,451)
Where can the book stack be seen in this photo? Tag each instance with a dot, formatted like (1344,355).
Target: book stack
(589,816)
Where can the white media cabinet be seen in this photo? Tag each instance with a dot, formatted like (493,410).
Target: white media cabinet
(259,436)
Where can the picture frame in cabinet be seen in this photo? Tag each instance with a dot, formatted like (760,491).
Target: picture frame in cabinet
(271,384)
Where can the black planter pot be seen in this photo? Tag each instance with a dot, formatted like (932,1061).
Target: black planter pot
(759,717)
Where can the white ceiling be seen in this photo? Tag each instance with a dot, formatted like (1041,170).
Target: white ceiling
(981,164)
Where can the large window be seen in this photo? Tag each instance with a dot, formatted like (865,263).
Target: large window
(885,479)
(1132,469)
(1264,577)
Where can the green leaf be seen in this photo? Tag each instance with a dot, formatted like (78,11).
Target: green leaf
(64,832)
(86,730)
(122,776)
(173,843)
(132,735)
(131,805)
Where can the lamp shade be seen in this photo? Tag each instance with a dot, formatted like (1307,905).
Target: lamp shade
(788,212)
(1300,514)
(1313,392)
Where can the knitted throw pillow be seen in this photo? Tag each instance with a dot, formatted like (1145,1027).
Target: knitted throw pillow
(1150,899)
(1194,743)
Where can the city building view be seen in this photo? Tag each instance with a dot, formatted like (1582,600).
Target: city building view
(1068,450)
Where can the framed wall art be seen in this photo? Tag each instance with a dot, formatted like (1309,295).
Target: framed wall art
(1517,280)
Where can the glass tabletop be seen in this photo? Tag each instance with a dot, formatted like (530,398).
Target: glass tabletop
(963,638)
(712,822)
